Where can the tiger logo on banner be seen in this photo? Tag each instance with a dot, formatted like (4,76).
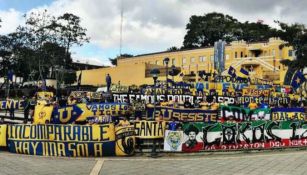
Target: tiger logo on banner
(125,140)
(173,140)
(3,135)
(42,114)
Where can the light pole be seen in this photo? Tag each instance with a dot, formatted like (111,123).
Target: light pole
(58,72)
(166,61)
(154,73)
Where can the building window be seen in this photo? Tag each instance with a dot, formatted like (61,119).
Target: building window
(241,54)
(173,61)
(236,55)
(227,56)
(184,60)
(202,59)
(273,52)
(157,62)
(192,59)
(290,53)
(211,58)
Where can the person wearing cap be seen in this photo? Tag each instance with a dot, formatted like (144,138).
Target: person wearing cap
(192,144)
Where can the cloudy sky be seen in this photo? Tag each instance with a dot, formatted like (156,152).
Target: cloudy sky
(148,25)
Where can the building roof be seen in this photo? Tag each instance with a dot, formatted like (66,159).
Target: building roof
(188,49)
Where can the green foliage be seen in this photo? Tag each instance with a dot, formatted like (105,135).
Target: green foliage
(41,45)
(173,48)
(296,36)
(114,60)
(70,78)
(204,30)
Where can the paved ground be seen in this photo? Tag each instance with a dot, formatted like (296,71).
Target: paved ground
(269,163)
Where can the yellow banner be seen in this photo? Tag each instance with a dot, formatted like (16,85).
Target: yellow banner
(44,95)
(256,92)
(277,116)
(149,129)
(125,140)
(62,140)
(3,135)
(42,114)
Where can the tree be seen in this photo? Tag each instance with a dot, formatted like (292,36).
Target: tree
(296,36)
(204,30)
(70,77)
(50,38)
(70,31)
(254,32)
(7,61)
(114,60)
(173,48)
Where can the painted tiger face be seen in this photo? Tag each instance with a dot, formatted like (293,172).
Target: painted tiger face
(174,139)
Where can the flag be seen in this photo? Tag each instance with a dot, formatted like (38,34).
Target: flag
(10,75)
(232,71)
(298,79)
(243,71)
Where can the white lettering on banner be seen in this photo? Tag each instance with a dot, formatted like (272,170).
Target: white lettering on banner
(150,98)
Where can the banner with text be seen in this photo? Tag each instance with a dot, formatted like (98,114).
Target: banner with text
(195,115)
(149,129)
(62,140)
(80,112)
(17,104)
(256,92)
(289,114)
(245,135)
(239,114)
(125,140)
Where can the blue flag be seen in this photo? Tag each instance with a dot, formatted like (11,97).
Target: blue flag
(232,71)
(243,71)
(298,79)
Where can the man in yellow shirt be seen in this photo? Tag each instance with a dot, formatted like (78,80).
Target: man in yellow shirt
(253,105)
(124,122)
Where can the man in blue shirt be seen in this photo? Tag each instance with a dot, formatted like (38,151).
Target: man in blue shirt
(108,81)
(200,88)
(172,125)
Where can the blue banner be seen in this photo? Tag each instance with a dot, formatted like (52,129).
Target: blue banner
(62,140)
(194,115)
(81,112)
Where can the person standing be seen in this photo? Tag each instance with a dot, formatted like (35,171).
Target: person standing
(26,109)
(199,88)
(109,82)
(124,122)
(11,108)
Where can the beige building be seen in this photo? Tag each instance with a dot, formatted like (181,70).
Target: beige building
(262,59)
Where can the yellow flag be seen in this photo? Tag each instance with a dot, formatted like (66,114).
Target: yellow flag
(3,135)
(42,114)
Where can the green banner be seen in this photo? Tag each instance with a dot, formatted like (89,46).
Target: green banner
(239,114)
